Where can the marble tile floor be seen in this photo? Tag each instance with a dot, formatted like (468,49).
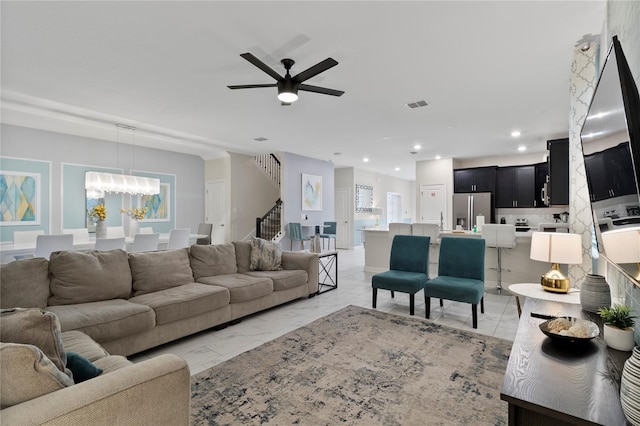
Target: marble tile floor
(210,347)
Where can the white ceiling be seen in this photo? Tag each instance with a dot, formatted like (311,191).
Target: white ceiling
(485,68)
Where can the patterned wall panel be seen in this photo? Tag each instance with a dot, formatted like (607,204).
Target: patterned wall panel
(582,84)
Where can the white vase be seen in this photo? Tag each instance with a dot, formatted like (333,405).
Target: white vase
(134,227)
(618,338)
(630,388)
(101,229)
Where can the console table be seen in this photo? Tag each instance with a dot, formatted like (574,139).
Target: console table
(550,383)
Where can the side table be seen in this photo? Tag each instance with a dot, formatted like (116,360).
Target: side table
(328,271)
(535,291)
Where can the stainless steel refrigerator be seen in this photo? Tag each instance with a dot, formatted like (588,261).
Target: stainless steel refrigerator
(467,207)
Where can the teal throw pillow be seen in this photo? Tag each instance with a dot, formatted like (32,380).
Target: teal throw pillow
(82,368)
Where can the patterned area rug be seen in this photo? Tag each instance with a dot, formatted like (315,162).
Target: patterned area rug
(359,366)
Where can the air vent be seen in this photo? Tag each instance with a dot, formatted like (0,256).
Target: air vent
(417,104)
(261,139)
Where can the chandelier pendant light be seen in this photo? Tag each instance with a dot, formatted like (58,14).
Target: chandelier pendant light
(97,183)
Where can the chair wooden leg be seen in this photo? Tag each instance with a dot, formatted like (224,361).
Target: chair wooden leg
(474,314)
(441,303)
(393,294)
(412,303)
(375,297)
(427,306)
(482,305)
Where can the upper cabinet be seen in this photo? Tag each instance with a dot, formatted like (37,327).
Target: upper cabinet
(478,179)
(515,187)
(610,173)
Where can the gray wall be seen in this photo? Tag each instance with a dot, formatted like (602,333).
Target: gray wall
(58,148)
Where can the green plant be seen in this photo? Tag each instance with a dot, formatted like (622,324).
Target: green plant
(617,316)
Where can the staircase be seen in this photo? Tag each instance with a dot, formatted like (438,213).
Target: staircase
(270,226)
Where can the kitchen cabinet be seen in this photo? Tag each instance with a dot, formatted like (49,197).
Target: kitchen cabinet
(558,172)
(515,187)
(610,173)
(477,179)
(542,171)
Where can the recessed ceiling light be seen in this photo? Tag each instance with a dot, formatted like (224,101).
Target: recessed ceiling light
(417,146)
(515,133)
(522,148)
(261,139)
(365,159)
(397,169)
(438,157)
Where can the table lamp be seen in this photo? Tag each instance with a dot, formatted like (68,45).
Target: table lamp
(377,211)
(623,246)
(556,247)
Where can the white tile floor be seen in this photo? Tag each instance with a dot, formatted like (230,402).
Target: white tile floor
(208,348)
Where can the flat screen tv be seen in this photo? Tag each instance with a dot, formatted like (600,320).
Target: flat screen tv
(610,139)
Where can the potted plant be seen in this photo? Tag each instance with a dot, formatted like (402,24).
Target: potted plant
(99,214)
(618,327)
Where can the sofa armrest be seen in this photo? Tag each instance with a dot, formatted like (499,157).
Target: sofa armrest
(305,261)
(152,392)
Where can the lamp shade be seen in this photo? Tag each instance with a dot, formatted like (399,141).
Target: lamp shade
(109,182)
(622,245)
(556,247)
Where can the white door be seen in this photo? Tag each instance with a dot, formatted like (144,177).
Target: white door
(216,209)
(343,227)
(433,205)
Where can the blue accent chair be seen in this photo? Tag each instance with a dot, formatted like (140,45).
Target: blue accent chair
(295,234)
(460,274)
(409,268)
(328,233)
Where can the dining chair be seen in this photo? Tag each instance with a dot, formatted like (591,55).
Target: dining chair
(144,242)
(26,237)
(460,274)
(204,229)
(80,235)
(178,238)
(329,232)
(499,236)
(145,230)
(46,244)
(408,268)
(295,234)
(115,231)
(106,244)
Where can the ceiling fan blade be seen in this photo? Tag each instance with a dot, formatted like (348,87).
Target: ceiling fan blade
(251,86)
(264,67)
(315,70)
(323,90)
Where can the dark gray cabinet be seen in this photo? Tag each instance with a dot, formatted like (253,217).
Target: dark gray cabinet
(515,187)
(610,173)
(558,172)
(542,172)
(477,179)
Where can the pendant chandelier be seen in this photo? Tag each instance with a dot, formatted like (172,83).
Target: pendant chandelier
(97,183)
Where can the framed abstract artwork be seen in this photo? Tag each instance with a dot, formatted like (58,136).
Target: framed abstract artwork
(158,205)
(311,192)
(19,198)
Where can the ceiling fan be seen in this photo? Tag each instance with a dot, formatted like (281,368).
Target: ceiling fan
(288,86)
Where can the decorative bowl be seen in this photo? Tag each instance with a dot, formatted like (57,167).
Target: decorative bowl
(592,330)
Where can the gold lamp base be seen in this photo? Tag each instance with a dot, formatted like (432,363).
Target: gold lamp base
(555,281)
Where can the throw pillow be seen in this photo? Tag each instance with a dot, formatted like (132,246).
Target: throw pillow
(34,327)
(82,368)
(265,255)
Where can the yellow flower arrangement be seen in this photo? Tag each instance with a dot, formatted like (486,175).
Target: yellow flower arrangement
(136,213)
(99,212)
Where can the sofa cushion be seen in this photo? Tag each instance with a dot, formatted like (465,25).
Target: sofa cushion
(81,277)
(34,327)
(106,320)
(78,342)
(159,270)
(27,373)
(243,255)
(283,280)
(25,283)
(82,368)
(208,260)
(184,301)
(241,287)
(112,363)
(265,255)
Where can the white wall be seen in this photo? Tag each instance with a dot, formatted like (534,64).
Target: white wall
(435,172)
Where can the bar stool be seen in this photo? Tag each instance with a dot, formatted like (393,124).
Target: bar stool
(499,236)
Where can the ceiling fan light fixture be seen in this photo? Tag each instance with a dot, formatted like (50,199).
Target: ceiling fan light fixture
(287,91)
(287,97)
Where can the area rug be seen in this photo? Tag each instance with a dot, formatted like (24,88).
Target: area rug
(359,366)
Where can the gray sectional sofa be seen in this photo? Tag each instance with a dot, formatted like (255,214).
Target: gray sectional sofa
(112,304)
